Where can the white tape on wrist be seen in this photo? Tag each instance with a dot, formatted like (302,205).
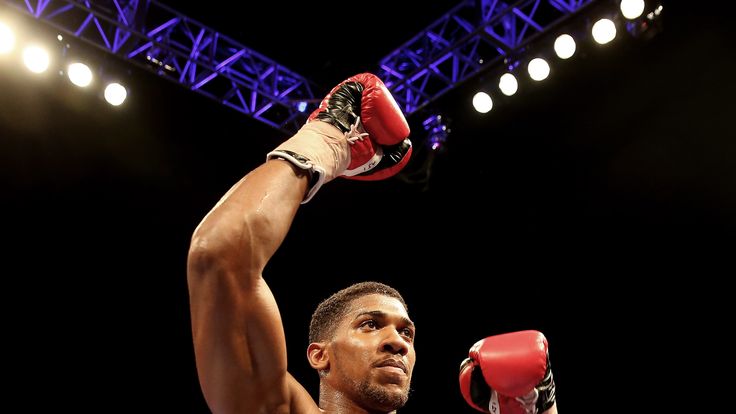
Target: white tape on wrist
(316,173)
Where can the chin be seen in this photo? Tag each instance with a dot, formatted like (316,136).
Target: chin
(387,397)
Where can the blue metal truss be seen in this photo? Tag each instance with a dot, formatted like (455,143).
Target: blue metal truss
(183,50)
(472,37)
(467,40)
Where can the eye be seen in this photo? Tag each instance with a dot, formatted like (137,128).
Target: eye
(370,324)
(408,333)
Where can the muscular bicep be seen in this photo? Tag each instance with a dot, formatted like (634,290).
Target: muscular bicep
(239,345)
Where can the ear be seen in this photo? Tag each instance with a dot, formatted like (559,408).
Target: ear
(318,356)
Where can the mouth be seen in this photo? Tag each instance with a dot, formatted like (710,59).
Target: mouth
(392,363)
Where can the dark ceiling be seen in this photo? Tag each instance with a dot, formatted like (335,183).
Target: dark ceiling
(568,209)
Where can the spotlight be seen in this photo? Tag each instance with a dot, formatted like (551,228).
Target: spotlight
(604,30)
(115,94)
(79,74)
(301,106)
(36,59)
(631,9)
(482,102)
(564,46)
(538,69)
(654,14)
(508,84)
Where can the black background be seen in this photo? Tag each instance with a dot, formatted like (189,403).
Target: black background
(597,207)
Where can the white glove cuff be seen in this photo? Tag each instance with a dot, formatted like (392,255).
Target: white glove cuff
(319,148)
(304,164)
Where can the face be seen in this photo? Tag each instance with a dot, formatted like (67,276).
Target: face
(372,355)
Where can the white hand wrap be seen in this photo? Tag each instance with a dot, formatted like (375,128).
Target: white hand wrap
(319,148)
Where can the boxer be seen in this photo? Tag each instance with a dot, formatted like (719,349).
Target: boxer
(361,338)
(358,132)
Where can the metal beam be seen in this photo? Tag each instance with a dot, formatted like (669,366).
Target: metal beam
(470,38)
(176,47)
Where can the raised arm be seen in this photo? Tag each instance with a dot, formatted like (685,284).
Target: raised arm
(358,132)
(238,336)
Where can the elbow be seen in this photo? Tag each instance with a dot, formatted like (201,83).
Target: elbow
(213,241)
(202,252)
(213,268)
(206,243)
(203,259)
(224,251)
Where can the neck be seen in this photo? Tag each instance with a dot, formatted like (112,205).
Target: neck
(332,401)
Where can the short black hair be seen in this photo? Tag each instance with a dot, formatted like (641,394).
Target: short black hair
(329,312)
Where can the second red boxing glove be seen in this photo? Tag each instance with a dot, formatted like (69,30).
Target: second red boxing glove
(509,374)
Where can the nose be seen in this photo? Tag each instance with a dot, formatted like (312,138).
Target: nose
(393,343)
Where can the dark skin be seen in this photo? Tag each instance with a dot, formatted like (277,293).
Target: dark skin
(238,335)
(239,342)
(366,366)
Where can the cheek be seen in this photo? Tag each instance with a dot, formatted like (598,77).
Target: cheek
(412,358)
(357,352)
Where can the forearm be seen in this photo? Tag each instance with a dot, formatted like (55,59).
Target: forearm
(251,220)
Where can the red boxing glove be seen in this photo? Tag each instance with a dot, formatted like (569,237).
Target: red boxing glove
(366,138)
(363,107)
(509,374)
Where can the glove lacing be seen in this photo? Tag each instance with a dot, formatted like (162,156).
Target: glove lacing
(355,134)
